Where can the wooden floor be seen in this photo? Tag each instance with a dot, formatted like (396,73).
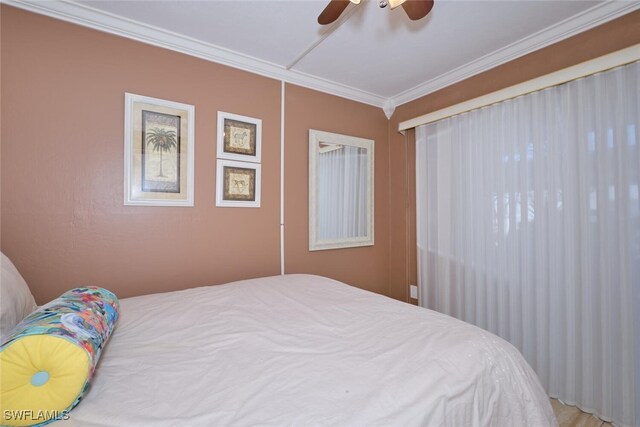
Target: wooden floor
(570,416)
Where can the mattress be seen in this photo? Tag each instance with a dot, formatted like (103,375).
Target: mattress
(302,350)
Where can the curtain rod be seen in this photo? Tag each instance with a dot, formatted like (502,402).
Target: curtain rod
(596,65)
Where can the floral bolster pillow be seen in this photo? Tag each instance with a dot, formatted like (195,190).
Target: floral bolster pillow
(49,358)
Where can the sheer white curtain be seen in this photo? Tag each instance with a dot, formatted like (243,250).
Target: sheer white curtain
(342,193)
(529,226)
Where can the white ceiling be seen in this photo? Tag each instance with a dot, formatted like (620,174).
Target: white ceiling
(372,55)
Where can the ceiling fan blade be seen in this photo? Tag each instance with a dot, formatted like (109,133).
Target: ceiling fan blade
(417,9)
(333,11)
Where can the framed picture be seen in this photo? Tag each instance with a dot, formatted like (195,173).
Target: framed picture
(239,137)
(158,152)
(237,184)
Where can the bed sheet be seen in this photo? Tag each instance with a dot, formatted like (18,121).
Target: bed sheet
(303,350)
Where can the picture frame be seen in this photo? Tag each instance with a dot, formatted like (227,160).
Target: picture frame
(237,184)
(158,152)
(239,138)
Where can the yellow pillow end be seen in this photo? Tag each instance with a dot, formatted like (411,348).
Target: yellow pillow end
(40,377)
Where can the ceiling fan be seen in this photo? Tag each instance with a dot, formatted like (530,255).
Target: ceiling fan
(415,9)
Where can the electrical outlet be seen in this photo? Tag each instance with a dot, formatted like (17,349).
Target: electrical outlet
(413,291)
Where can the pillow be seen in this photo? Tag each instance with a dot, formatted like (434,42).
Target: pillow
(49,360)
(16,300)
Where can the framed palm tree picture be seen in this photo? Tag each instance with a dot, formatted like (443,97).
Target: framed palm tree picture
(239,137)
(159,152)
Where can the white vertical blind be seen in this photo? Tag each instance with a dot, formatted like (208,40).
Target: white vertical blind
(529,226)
(342,193)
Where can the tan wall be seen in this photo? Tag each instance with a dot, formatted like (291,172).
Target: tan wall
(62,216)
(365,267)
(63,220)
(609,37)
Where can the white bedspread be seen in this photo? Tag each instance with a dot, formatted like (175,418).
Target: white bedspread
(302,350)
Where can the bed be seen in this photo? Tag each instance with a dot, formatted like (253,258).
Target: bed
(303,350)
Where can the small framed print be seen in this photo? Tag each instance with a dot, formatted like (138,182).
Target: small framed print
(239,137)
(237,184)
(158,152)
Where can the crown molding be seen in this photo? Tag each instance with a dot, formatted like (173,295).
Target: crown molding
(87,16)
(388,107)
(576,24)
